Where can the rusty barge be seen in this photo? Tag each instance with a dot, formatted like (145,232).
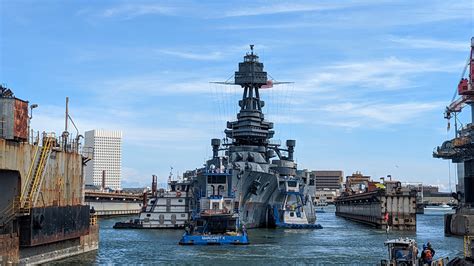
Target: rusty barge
(43,216)
(378,204)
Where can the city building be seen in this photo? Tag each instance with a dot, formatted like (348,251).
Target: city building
(328,179)
(105,169)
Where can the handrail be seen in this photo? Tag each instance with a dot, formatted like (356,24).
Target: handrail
(27,204)
(28,177)
(41,166)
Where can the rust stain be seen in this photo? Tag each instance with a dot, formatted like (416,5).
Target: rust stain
(20,129)
(65,166)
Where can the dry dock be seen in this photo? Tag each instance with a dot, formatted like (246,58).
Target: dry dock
(378,204)
(43,215)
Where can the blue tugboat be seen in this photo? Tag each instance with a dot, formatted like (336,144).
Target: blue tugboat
(215,221)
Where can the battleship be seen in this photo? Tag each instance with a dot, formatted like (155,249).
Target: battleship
(261,178)
(43,214)
(257,168)
(460,151)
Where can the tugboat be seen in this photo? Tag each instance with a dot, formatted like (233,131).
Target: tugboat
(291,212)
(216,220)
(163,209)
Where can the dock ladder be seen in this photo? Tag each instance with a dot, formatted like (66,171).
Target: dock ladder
(35,175)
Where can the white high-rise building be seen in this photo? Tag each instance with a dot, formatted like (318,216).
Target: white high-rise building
(107,149)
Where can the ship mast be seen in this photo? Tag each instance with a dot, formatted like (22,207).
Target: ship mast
(250,127)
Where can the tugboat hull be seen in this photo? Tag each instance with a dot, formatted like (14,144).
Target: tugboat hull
(214,240)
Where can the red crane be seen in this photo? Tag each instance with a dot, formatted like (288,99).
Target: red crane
(465,88)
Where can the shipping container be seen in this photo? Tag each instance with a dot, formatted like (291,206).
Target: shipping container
(13,119)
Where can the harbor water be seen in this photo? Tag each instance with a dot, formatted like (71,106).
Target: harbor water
(340,242)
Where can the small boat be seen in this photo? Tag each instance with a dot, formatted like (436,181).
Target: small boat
(404,251)
(401,251)
(216,221)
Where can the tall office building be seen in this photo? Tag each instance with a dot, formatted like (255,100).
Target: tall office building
(107,156)
(328,179)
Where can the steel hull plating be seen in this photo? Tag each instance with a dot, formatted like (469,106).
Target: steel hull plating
(256,199)
(51,224)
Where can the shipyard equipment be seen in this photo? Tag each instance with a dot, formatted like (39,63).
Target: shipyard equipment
(460,150)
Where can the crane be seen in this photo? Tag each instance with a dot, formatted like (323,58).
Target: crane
(465,89)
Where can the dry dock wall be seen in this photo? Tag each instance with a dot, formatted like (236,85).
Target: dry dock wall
(370,209)
(62,183)
(58,225)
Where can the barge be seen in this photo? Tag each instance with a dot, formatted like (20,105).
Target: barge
(381,205)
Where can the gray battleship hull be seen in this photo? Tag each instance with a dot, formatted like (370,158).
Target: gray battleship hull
(257,193)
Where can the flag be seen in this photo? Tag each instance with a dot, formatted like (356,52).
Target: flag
(268,85)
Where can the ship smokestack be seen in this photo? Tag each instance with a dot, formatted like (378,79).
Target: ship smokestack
(290,144)
(215,143)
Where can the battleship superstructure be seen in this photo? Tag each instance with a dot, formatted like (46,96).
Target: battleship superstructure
(254,174)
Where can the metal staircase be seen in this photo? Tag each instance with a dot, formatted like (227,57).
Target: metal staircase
(8,213)
(35,175)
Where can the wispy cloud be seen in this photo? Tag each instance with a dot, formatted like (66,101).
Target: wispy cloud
(400,14)
(128,11)
(418,43)
(289,7)
(386,74)
(381,113)
(194,55)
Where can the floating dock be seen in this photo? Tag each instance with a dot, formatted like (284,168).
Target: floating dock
(43,216)
(379,205)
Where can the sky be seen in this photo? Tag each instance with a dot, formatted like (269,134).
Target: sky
(371,78)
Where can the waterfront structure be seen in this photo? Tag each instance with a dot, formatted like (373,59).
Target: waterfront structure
(113,203)
(43,215)
(460,150)
(328,179)
(105,169)
(378,204)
